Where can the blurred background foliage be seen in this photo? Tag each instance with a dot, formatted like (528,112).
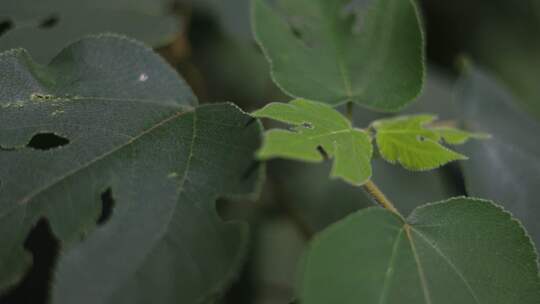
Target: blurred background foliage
(211,45)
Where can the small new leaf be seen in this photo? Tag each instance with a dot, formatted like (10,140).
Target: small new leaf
(316,126)
(458,137)
(409,141)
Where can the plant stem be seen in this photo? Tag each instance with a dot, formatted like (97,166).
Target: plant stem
(350,111)
(379,197)
(370,187)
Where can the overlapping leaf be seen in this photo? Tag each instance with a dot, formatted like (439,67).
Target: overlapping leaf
(463,250)
(318,126)
(505,168)
(408,141)
(369,52)
(130,126)
(44,27)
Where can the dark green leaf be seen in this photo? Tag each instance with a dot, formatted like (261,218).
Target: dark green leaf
(463,250)
(108,115)
(506,167)
(44,27)
(368,52)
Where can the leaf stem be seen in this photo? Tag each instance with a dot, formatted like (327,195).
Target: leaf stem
(350,111)
(373,190)
(370,187)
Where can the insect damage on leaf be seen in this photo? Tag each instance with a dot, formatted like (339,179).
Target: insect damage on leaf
(318,127)
(410,141)
(369,52)
(105,167)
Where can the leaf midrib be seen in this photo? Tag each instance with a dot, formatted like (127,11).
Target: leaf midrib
(450,263)
(409,229)
(161,235)
(339,51)
(134,139)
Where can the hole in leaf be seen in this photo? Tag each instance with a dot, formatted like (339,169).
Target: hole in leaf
(107,205)
(307,125)
(49,22)
(5,26)
(35,286)
(47,141)
(421,138)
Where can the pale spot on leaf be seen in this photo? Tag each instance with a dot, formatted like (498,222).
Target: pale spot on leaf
(143,77)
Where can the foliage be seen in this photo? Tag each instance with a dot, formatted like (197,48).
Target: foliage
(44,27)
(368,52)
(446,246)
(414,145)
(505,168)
(131,126)
(117,186)
(318,126)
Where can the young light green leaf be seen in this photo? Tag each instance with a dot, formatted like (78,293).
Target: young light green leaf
(463,250)
(407,140)
(44,27)
(369,52)
(318,126)
(458,137)
(128,124)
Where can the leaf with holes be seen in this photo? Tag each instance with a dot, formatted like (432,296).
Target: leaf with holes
(463,250)
(407,140)
(318,126)
(109,121)
(370,52)
(44,27)
(505,168)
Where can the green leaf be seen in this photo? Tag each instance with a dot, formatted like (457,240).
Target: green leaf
(407,140)
(318,125)
(458,137)
(45,27)
(463,250)
(130,128)
(369,52)
(504,168)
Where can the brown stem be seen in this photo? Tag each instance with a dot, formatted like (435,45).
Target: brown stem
(379,197)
